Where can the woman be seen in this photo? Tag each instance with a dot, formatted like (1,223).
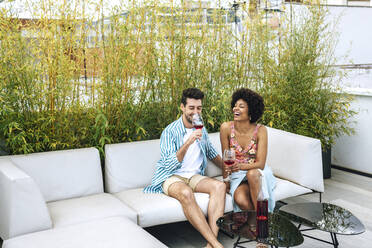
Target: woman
(249,140)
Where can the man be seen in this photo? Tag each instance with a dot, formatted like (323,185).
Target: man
(180,170)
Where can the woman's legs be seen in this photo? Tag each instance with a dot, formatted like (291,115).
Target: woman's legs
(253,177)
(245,195)
(242,197)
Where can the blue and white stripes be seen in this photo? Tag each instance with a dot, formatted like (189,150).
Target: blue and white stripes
(171,141)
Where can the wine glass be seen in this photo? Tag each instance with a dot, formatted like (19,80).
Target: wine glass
(229,157)
(197,121)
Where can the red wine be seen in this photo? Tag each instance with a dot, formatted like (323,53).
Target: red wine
(229,162)
(262,208)
(262,229)
(198,126)
(262,219)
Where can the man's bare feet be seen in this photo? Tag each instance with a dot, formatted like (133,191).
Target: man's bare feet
(217,246)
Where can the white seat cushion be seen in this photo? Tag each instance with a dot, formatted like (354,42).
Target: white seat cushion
(285,189)
(115,232)
(63,174)
(156,209)
(77,210)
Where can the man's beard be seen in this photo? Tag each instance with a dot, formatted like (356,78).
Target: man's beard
(189,118)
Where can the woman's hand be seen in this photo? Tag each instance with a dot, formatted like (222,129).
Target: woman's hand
(227,169)
(227,186)
(235,167)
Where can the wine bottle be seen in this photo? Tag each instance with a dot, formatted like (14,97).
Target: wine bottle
(262,217)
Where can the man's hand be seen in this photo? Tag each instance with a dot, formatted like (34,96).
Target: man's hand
(195,135)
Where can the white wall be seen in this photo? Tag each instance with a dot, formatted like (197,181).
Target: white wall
(355,34)
(355,152)
(354,28)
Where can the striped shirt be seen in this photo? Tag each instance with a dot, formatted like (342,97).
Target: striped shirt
(171,141)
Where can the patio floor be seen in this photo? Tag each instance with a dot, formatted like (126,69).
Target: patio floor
(344,189)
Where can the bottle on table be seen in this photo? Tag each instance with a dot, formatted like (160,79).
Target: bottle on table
(262,216)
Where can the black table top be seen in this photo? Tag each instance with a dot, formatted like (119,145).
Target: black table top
(324,216)
(282,233)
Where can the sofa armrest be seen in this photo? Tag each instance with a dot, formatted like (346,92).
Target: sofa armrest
(296,158)
(22,206)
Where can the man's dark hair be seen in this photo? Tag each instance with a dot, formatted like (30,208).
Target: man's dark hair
(255,102)
(193,93)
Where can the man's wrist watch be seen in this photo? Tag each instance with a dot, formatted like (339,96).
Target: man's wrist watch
(226,179)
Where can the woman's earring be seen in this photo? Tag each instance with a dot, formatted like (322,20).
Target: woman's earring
(250,118)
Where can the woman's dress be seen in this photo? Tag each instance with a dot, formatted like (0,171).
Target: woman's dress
(248,155)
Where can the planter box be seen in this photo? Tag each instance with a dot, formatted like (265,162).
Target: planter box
(326,159)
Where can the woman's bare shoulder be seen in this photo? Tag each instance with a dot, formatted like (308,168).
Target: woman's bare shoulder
(225,127)
(262,130)
(226,124)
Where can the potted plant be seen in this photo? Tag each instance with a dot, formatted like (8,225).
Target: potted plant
(300,88)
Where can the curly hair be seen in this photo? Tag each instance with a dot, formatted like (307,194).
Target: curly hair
(193,93)
(255,102)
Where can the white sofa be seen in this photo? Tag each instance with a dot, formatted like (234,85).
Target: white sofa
(295,160)
(56,199)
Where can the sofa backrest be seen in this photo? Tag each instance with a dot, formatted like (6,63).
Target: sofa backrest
(291,156)
(22,206)
(130,165)
(213,170)
(63,174)
(295,158)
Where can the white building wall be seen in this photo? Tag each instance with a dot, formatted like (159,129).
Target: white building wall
(355,152)
(355,34)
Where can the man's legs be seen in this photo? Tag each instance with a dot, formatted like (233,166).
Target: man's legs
(217,194)
(184,194)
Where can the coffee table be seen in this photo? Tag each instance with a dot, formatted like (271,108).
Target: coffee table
(282,232)
(325,217)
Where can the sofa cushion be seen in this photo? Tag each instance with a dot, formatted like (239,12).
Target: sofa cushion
(156,209)
(213,170)
(22,206)
(111,232)
(285,189)
(121,158)
(63,174)
(72,211)
(296,158)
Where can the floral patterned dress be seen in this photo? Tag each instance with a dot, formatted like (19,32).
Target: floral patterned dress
(248,155)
